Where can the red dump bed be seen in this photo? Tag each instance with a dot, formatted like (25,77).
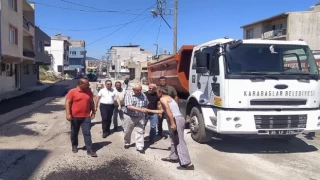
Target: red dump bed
(175,68)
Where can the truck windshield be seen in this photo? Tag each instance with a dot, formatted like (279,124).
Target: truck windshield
(271,59)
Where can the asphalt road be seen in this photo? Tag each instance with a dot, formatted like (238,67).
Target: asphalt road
(15,107)
(37,146)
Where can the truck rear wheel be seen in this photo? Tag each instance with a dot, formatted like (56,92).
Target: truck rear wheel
(197,126)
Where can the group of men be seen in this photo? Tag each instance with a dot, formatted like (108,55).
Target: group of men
(134,109)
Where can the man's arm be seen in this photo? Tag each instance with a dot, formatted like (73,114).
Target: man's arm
(97,99)
(68,104)
(175,95)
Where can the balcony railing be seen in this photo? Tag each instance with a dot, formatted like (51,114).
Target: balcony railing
(27,24)
(274,33)
(28,53)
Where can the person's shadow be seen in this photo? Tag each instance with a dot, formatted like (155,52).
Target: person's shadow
(97,146)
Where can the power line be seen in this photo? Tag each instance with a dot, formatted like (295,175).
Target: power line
(94,29)
(83,10)
(138,30)
(121,26)
(158,31)
(95,7)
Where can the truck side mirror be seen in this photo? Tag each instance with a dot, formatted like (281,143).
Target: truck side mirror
(202,62)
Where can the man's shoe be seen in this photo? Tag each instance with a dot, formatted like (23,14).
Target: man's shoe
(92,153)
(167,159)
(115,129)
(186,167)
(105,135)
(74,149)
(126,146)
(140,150)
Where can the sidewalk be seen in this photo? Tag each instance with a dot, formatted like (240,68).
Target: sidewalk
(13,94)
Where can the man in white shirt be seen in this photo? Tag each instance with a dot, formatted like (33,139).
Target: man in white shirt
(107,97)
(120,92)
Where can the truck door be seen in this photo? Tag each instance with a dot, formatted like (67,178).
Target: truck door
(193,75)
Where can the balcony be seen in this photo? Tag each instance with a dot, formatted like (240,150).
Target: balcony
(275,34)
(28,27)
(28,53)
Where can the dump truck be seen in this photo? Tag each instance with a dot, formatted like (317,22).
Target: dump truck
(247,88)
(92,74)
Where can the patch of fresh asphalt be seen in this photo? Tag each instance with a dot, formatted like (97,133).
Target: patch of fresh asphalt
(15,107)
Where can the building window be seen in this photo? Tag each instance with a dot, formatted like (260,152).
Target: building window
(13,4)
(40,46)
(26,69)
(13,35)
(73,52)
(249,33)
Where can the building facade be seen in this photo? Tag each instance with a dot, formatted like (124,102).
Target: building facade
(77,56)
(17,47)
(59,51)
(130,60)
(288,26)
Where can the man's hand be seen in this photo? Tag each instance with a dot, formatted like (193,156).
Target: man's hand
(93,115)
(119,108)
(173,127)
(69,117)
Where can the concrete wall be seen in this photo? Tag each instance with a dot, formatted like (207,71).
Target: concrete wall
(42,40)
(305,25)
(10,16)
(257,31)
(7,82)
(28,75)
(56,50)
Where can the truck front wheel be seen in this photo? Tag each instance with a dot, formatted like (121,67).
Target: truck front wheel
(197,126)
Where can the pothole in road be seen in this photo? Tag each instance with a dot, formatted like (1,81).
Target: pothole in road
(116,169)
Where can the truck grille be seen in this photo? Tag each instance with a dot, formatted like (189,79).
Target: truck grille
(280,121)
(297,102)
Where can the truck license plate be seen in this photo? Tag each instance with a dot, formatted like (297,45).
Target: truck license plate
(283,132)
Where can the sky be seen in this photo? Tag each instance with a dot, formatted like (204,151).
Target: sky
(106,23)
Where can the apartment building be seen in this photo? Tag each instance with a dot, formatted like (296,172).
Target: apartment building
(130,59)
(77,55)
(288,26)
(17,47)
(59,51)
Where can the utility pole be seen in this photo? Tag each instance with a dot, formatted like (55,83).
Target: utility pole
(161,11)
(175,27)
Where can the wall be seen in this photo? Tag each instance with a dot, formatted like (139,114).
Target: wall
(257,31)
(28,78)
(9,16)
(7,82)
(305,25)
(57,50)
(41,57)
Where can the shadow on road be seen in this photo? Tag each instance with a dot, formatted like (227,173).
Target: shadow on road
(99,145)
(17,128)
(261,146)
(20,164)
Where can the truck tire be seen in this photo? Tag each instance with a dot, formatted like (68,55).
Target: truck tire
(197,126)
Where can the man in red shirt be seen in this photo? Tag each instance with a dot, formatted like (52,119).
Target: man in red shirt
(79,105)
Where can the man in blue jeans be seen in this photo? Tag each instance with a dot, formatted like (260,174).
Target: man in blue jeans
(153,99)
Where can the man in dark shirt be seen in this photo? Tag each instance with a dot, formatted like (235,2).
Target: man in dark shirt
(171,92)
(153,105)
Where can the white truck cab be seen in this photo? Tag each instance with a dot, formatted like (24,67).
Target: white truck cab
(253,88)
